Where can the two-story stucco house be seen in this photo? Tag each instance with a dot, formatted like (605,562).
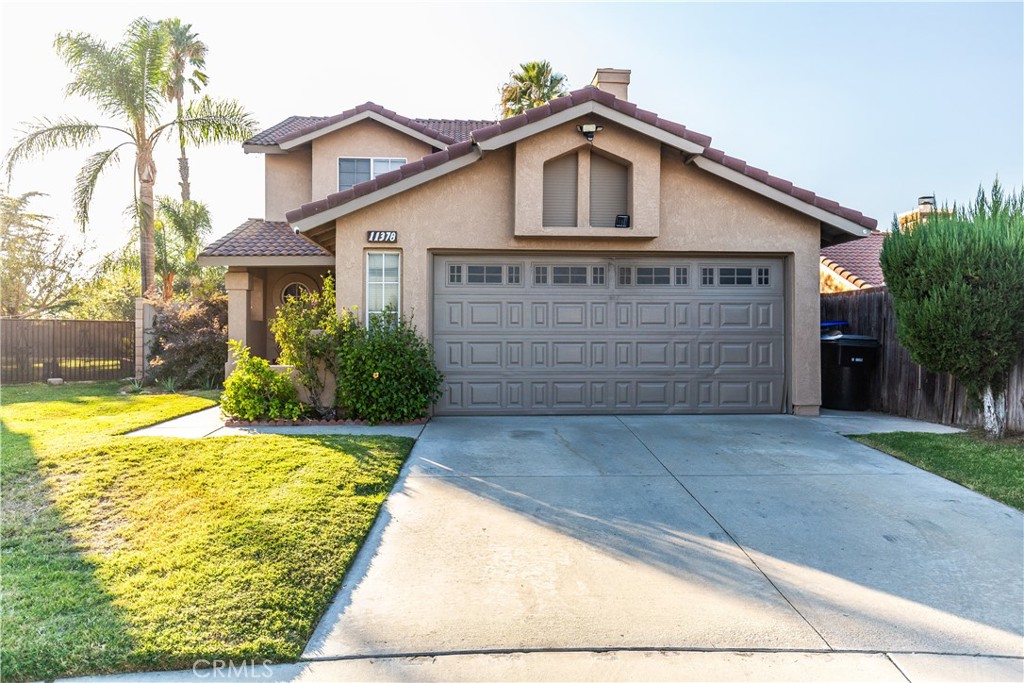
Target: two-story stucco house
(585,257)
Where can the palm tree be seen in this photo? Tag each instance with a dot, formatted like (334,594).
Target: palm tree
(180,232)
(186,52)
(127,82)
(535,84)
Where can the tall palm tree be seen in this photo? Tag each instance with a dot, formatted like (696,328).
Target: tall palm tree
(535,84)
(127,82)
(187,53)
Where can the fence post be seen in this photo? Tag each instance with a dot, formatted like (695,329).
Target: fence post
(144,314)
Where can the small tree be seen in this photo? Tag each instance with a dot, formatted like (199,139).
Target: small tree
(306,329)
(957,284)
(37,268)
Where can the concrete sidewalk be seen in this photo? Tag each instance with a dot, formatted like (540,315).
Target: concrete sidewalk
(769,667)
(207,423)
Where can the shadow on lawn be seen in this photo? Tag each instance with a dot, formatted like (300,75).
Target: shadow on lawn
(57,618)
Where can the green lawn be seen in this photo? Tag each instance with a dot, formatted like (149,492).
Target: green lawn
(993,468)
(126,554)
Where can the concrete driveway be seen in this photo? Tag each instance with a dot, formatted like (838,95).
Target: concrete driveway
(768,537)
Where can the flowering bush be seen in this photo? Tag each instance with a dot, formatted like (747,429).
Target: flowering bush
(188,349)
(386,372)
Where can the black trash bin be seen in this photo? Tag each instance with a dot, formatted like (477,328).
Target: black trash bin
(847,361)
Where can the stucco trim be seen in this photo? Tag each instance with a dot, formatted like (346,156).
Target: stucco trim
(362,116)
(582,109)
(262,149)
(254,261)
(383,193)
(783,198)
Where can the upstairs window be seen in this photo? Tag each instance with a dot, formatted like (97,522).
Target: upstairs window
(608,191)
(355,170)
(560,192)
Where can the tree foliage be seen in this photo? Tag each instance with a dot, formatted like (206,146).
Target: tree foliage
(181,229)
(533,85)
(37,268)
(957,283)
(186,60)
(110,291)
(128,83)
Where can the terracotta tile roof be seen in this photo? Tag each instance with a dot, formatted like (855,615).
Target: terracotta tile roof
(857,259)
(456,128)
(257,237)
(275,133)
(442,130)
(586,94)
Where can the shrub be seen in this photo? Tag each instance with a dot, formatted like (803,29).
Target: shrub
(189,348)
(306,329)
(255,392)
(956,282)
(386,372)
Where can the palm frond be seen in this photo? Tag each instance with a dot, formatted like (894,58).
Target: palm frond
(45,135)
(88,175)
(210,121)
(145,50)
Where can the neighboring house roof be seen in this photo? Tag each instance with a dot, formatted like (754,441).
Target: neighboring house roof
(858,261)
(297,130)
(266,239)
(577,103)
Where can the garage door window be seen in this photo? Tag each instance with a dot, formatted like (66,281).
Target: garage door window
(383,271)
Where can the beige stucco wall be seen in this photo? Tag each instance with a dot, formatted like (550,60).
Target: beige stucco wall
(362,139)
(639,153)
(475,209)
(288,179)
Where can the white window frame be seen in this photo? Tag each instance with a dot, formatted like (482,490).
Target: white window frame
(373,163)
(367,283)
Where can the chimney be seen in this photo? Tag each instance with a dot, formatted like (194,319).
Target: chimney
(614,81)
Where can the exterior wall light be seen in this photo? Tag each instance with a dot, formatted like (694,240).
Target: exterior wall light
(588,130)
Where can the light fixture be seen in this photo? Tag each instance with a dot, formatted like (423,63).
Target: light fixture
(588,130)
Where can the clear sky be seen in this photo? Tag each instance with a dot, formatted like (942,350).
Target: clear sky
(869,104)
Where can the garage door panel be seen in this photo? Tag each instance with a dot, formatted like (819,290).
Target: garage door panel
(593,344)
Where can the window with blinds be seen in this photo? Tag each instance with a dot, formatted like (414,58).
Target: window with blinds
(560,192)
(608,193)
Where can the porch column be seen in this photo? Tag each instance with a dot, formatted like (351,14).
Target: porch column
(239,285)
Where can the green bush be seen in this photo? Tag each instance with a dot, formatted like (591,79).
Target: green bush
(386,372)
(306,329)
(189,350)
(255,392)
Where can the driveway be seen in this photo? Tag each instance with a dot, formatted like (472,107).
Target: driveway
(761,535)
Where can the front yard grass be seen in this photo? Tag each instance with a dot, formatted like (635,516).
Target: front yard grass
(127,554)
(993,468)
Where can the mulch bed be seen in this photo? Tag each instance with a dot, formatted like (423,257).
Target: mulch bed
(231,422)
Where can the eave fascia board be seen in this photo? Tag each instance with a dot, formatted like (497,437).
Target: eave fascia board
(781,197)
(262,149)
(362,116)
(358,203)
(597,109)
(263,261)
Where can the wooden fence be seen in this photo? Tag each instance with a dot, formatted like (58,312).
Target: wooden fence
(74,350)
(902,387)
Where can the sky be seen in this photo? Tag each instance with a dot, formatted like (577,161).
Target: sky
(870,104)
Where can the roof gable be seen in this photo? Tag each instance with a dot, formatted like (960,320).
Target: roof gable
(844,223)
(257,238)
(858,261)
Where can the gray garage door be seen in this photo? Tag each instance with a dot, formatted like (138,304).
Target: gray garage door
(549,334)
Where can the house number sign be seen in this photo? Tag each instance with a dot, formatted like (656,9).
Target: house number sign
(382,236)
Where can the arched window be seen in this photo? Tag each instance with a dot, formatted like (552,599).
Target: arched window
(292,289)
